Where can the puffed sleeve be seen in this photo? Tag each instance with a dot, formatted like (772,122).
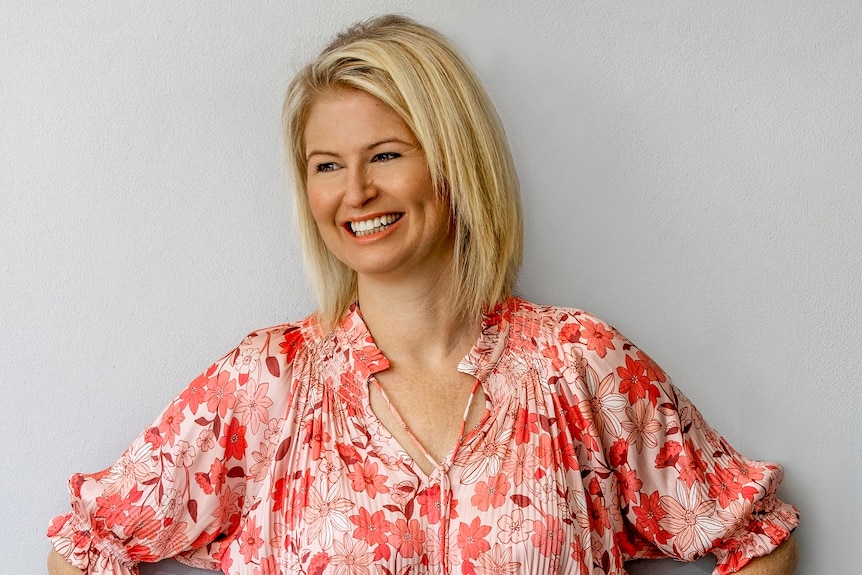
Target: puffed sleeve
(182,486)
(683,491)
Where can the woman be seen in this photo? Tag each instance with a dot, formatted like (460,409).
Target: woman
(424,420)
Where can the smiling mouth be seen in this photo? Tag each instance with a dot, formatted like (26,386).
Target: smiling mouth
(372,225)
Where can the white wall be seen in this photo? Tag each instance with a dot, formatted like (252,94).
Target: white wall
(691,172)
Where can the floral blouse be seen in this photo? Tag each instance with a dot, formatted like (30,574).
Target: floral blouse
(271,462)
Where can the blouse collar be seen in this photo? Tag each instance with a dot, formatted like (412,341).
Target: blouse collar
(479,361)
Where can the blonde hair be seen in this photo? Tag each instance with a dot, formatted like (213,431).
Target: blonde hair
(414,70)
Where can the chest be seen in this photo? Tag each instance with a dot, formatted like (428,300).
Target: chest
(510,499)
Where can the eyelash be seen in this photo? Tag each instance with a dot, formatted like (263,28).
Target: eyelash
(385,156)
(324,167)
(381,157)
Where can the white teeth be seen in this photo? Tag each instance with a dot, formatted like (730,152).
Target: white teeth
(373,225)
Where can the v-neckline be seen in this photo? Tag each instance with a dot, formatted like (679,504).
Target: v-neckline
(479,362)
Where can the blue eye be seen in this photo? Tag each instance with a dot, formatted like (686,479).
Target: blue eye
(385,156)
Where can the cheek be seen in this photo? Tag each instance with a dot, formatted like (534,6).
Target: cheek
(321,210)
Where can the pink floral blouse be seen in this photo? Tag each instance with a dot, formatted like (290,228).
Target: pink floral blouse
(271,462)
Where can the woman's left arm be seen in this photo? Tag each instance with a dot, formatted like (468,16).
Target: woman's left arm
(782,561)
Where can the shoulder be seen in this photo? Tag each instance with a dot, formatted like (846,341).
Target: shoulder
(558,325)
(279,344)
(307,330)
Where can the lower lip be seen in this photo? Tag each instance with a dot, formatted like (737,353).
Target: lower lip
(375,236)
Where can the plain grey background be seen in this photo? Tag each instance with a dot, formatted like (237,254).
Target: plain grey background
(691,172)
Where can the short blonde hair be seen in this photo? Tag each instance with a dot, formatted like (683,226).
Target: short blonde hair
(414,70)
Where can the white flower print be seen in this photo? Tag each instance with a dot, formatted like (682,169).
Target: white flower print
(325,515)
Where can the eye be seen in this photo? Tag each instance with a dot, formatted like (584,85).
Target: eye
(325,167)
(385,156)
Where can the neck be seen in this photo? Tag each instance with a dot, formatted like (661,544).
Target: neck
(415,321)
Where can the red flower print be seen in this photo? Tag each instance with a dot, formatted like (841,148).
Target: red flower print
(744,471)
(629,484)
(668,455)
(653,371)
(292,341)
(429,504)
(578,555)
(525,425)
(471,539)
(298,498)
(634,381)
(548,536)
(691,465)
(57,524)
(492,493)
(723,486)
(142,523)
(554,452)
(318,564)
(407,538)
(228,508)
(372,528)
(250,541)
(268,566)
(233,440)
(364,477)
(776,533)
(203,481)
(649,513)
(218,475)
(317,437)
(570,333)
(112,510)
(194,394)
(220,393)
(599,338)
(598,515)
(141,553)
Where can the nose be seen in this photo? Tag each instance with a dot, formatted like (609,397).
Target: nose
(359,188)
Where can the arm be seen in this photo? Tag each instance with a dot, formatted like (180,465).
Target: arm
(57,565)
(182,484)
(682,488)
(782,561)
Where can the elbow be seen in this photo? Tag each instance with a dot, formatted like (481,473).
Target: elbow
(57,565)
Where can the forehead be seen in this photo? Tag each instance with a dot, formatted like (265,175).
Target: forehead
(352,115)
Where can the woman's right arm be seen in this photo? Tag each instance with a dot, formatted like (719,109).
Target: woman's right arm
(57,565)
(182,483)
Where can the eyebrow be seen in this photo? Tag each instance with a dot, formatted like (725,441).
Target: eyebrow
(367,148)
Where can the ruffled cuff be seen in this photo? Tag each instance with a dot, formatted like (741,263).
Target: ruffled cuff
(769,526)
(97,552)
